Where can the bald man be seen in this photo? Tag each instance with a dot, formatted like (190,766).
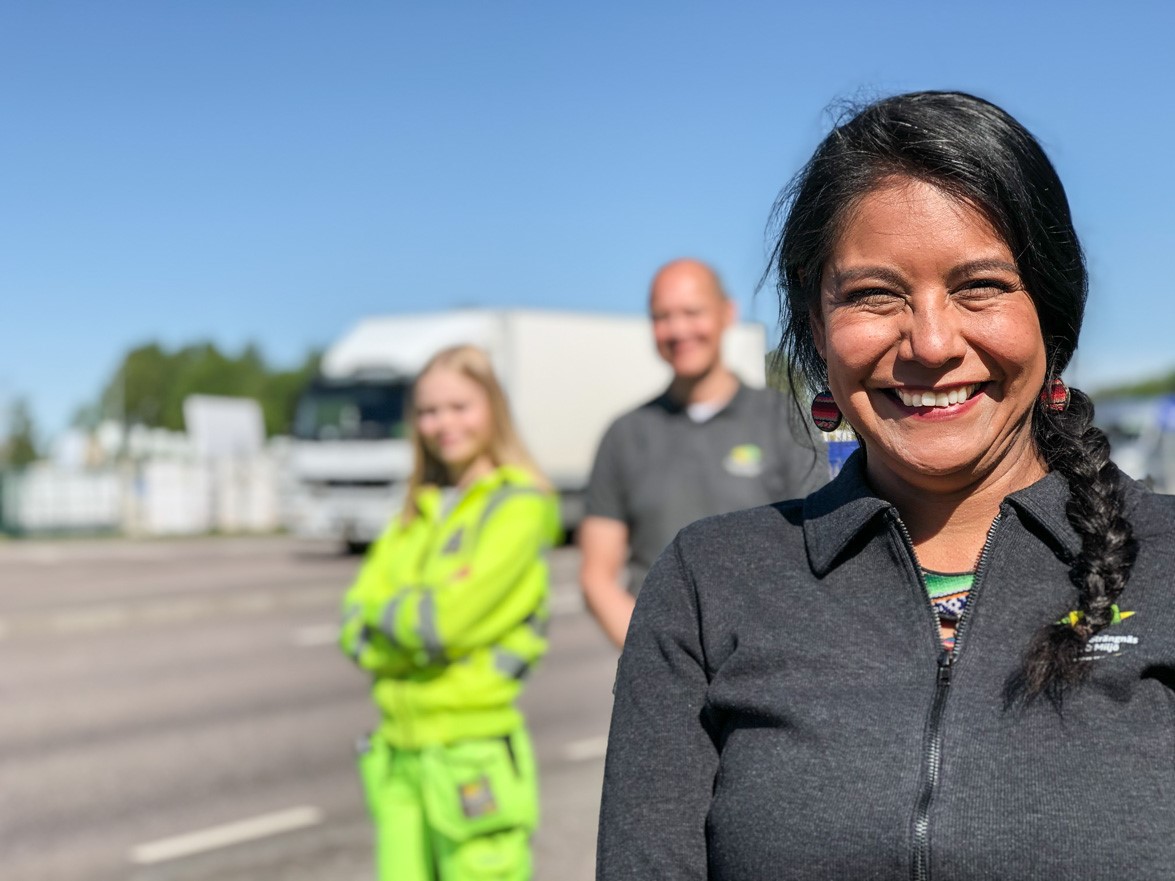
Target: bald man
(707,445)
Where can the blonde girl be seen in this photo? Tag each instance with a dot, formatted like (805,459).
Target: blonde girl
(449,614)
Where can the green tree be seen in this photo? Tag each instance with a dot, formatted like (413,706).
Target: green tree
(139,389)
(1144,388)
(151,384)
(279,397)
(20,447)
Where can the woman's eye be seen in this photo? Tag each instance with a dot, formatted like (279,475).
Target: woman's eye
(871,296)
(982,288)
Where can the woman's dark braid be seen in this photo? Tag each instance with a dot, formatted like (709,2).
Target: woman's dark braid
(1073,446)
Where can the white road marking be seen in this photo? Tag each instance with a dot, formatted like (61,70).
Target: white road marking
(165,610)
(90,620)
(223,836)
(254,602)
(46,556)
(587,749)
(315,635)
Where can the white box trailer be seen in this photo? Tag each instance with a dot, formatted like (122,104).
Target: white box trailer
(567,374)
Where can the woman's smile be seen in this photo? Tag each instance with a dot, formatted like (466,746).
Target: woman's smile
(939,399)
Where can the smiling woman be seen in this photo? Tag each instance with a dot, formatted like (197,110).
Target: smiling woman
(957,660)
(448,616)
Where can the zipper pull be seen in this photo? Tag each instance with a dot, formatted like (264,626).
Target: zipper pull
(945,659)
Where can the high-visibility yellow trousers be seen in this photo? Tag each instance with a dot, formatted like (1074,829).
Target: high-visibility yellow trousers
(463,811)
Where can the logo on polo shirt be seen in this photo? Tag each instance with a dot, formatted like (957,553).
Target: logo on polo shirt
(745,460)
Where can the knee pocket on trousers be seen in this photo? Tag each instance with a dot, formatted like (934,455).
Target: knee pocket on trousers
(498,856)
(477,788)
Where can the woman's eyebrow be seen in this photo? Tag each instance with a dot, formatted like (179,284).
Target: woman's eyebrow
(976,266)
(878,273)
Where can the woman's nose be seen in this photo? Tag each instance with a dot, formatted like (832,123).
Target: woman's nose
(933,336)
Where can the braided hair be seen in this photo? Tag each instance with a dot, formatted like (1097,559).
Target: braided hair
(977,153)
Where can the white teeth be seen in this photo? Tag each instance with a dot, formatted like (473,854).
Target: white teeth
(937,399)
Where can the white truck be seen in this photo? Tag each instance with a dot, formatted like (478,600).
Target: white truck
(1142,437)
(567,374)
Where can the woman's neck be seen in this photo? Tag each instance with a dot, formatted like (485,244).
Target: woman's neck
(466,475)
(948,528)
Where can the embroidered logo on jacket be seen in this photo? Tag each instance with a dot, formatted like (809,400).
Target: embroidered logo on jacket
(1104,644)
(745,460)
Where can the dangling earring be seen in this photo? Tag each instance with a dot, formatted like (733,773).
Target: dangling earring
(825,413)
(1055,396)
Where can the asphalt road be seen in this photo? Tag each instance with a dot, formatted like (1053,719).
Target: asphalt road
(177,710)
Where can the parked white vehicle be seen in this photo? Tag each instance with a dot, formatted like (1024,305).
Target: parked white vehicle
(1142,437)
(568,375)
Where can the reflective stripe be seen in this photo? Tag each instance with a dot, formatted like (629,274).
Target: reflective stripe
(453,545)
(350,613)
(541,626)
(360,643)
(426,627)
(504,494)
(387,621)
(509,664)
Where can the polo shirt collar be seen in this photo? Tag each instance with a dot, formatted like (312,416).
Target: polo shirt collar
(676,407)
(836,513)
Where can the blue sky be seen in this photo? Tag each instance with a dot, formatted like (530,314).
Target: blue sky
(273,171)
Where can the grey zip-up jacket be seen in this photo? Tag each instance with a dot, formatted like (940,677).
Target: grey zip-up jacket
(784,708)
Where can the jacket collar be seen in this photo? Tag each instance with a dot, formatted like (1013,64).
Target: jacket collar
(428,501)
(1045,502)
(835,514)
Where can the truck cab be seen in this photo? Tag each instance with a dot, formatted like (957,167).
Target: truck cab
(350,458)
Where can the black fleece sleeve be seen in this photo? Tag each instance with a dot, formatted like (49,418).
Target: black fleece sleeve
(659,773)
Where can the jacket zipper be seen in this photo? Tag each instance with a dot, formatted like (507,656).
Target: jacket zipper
(932,745)
(438,530)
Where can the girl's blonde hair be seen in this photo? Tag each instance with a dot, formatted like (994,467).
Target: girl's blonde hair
(506,446)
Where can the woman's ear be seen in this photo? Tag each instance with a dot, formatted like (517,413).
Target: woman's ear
(816,323)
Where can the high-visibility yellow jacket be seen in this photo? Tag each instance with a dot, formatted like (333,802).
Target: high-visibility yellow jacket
(450,612)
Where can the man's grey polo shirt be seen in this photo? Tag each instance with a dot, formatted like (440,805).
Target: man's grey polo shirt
(657,470)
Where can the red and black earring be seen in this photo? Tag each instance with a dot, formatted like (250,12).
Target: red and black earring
(826,414)
(1055,396)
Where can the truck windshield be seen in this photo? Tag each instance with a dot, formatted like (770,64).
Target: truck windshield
(352,411)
